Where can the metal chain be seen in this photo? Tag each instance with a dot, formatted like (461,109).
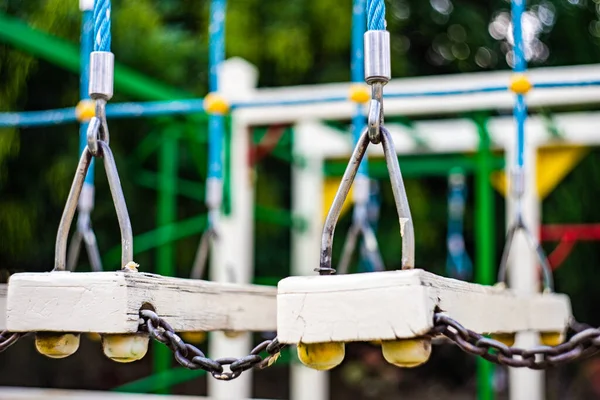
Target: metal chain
(7,339)
(584,343)
(193,358)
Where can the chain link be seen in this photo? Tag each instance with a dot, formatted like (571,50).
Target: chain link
(7,339)
(193,358)
(585,342)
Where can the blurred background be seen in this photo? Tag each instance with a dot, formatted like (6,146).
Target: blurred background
(291,43)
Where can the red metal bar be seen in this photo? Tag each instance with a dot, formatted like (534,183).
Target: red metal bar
(573,232)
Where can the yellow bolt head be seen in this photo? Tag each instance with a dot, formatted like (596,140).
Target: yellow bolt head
(359,94)
(552,338)
(321,356)
(56,345)
(94,337)
(520,84)
(507,339)
(216,104)
(407,353)
(193,337)
(125,348)
(85,110)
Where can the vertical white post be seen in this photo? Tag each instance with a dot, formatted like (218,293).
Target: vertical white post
(525,384)
(232,255)
(307,203)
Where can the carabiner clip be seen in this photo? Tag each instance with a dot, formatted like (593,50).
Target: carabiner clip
(400,198)
(116,190)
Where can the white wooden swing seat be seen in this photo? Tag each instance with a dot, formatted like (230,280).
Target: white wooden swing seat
(109,302)
(401,305)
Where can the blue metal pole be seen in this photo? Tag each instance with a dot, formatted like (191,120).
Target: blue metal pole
(357,71)
(216,126)
(520,65)
(86,45)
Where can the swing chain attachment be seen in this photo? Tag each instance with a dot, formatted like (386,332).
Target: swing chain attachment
(402,207)
(193,358)
(377,74)
(518,189)
(100,90)
(116,190)
(585,342)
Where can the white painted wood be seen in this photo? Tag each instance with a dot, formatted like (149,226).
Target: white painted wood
(232,255)
(3,288)
(109,302)
(401,304)
(307,203)
(430,105)
(19,393)
(525,384)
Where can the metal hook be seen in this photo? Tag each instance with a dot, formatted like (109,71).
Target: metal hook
(402,208)
(71,205)
(519,224)
(375,118)
(98,127)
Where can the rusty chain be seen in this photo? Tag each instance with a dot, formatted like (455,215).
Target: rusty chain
(193,358)
(585,342)
(7,339)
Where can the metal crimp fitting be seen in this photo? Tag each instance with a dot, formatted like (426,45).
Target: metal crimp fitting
(102,65)
(378,72)
(378,67)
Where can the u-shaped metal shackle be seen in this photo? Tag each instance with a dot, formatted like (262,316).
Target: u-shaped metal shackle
(71,205)
(402,208)
(519,225)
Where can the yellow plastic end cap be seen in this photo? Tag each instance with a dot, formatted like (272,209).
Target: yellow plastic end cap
(359,94)
(520,84)
(321,356)
(125,348)
(56,345)
(214,103)
(407,353)
(85,110)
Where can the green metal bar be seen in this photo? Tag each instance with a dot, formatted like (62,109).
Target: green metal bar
(160,236)
(17,33)
(419,166)
(484,243)
(184,187)
(167,213)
